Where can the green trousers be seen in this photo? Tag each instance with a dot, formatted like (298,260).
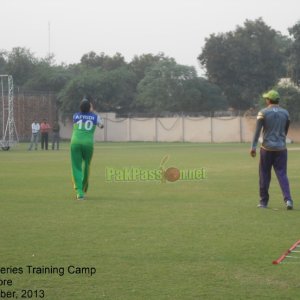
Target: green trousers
(81,157)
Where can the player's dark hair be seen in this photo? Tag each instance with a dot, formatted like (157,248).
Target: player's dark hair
(85,106)
(276,101)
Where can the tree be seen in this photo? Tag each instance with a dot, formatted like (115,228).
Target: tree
(244,63)
(211,97)
(140,64)
(111,90)
(294,58)
(20,64)
(168,86)
(3,55)
(290,99)
(92,60)
(47,78)
(116,90)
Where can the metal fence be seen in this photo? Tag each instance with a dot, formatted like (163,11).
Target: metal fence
(33,106)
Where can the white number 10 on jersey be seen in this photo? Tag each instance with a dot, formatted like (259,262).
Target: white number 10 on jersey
(88,125)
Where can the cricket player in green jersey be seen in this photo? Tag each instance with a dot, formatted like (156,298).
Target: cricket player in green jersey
(82,146)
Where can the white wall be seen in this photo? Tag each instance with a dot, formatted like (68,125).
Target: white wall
(176,129)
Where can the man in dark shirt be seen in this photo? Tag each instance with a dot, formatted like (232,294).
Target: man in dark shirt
(55,135)
(274,121)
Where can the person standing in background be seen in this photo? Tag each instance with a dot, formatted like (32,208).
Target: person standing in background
(55,135)
(45,128)
(35,130)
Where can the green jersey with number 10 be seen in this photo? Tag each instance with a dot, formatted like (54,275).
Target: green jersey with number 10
(84,126)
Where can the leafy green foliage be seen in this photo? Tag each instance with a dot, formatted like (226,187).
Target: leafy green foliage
(2,62)
(168,86)
(294,58)
(290,99)
(47,78)
(110,90)
(244,62)
(20,64)
(92,60)
(141,64)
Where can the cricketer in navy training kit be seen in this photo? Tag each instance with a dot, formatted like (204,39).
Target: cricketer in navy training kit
(274,122)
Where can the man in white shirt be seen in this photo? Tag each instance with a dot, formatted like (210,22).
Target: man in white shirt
(35,129)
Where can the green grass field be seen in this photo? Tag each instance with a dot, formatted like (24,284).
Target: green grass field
(147,240)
